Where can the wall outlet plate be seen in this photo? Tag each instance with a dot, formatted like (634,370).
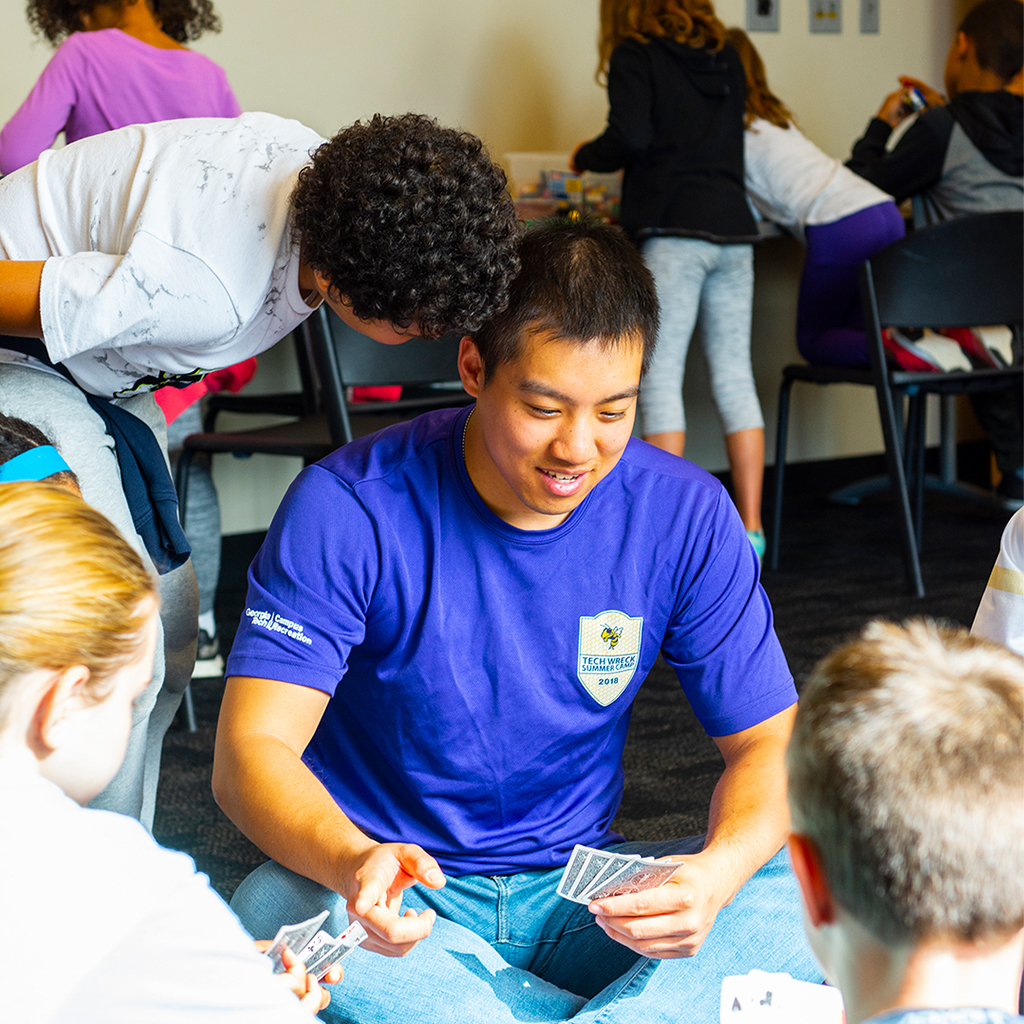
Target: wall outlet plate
(869,17)
(826,15)
(762,15)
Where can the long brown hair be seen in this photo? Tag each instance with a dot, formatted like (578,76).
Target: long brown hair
(692,22)
(761,101)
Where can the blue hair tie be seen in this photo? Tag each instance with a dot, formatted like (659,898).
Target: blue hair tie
(35,464)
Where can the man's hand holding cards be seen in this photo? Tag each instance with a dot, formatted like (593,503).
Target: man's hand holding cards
(597,874)
(661,908)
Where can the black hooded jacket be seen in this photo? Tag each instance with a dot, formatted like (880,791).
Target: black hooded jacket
(965,157)
(675,123)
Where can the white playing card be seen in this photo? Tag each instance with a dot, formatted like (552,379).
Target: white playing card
(294,936)
(323,951)
(763,996)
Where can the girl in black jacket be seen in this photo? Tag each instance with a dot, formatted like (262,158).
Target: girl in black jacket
(676,94)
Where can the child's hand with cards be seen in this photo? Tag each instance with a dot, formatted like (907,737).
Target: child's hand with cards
(308,956)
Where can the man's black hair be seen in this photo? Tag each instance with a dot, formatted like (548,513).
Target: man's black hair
(410,222)
(580,281)
(996,27)
(17,436)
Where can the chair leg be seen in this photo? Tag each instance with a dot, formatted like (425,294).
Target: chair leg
(181,471)
(919,426)
(190,710)
(913,458)
(893,435)
(910,439)
(780,470)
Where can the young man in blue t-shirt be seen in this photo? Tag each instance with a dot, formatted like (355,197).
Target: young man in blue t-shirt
(908,816)
(431,686)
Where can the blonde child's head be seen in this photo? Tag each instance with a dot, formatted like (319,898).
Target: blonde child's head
(905,772)
(77,636)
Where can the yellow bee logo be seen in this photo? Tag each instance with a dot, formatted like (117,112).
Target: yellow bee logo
(612,636)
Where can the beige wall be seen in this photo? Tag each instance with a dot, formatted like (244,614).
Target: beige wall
(521,75)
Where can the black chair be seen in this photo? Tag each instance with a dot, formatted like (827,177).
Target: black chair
(333,357)
(304,402)
(961,273)
(427,369)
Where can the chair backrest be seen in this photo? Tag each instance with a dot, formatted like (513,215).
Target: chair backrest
(967,272)
(345,358)
(365,362)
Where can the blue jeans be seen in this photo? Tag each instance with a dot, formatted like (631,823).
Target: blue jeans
(508,949)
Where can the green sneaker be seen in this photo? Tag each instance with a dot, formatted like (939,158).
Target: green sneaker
(757,542)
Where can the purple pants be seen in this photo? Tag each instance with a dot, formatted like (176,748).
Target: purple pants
(829,322)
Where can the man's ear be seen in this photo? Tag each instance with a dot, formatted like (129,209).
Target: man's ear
(810,873)
(471,367)
(59,700)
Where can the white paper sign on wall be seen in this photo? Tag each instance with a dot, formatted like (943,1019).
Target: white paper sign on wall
(826,15)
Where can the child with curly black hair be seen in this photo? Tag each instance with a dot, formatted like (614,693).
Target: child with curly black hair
(177,248)
(118,63)
(156,253)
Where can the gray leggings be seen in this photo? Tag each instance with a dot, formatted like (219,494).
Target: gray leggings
(202,519)
(716,282)
(60,411)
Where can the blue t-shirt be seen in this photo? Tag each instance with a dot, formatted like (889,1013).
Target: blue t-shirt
(481,676)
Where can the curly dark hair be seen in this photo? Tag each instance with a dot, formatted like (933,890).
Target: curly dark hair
(182,20)
(410,222)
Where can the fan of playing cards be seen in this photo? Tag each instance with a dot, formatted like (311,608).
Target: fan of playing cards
(594,874)
(318,951)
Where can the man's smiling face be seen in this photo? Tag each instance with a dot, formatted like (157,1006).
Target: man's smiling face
(549,426)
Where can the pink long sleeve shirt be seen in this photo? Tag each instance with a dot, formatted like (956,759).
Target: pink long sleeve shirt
(98,81)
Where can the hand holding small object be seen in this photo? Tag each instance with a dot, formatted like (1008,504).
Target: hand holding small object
(894,108)
(897,106)
(931,97)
